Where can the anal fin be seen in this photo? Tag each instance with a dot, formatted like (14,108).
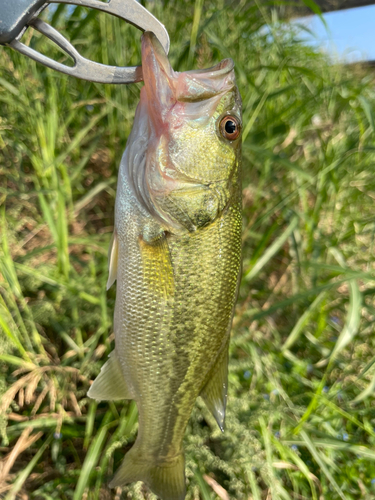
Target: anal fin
(214,393)
(112,260)
(110,384)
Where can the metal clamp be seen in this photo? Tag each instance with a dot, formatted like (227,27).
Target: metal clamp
(17,20)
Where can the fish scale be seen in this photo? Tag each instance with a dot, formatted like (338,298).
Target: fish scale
(176,255)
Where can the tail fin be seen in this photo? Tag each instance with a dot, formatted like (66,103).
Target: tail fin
(166,480)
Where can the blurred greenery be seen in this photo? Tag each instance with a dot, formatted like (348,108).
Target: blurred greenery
(300,421)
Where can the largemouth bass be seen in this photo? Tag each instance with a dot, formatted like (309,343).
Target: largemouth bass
(176,254)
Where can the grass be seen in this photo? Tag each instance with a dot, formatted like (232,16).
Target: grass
(301,415)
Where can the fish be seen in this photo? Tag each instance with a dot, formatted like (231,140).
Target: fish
(176,256)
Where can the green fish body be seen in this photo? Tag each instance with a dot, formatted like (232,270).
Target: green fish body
(176,255)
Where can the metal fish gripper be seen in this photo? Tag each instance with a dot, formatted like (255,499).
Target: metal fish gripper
(17,15)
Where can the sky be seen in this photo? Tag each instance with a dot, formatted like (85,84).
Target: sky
(350,36)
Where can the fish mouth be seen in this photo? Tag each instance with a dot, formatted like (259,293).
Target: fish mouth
(166,86)
(151,43)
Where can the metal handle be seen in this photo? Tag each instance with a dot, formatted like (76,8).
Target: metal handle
(15,15)
(128,10)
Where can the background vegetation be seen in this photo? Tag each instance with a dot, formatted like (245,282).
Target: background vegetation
(300,421)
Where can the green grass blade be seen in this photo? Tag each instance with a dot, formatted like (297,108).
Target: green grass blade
(271,251)
(354,312)
(302,321)
(203,486)
(92,458)
(314,452)
(253,484)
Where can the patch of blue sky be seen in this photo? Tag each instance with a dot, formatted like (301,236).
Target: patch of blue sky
(349,35)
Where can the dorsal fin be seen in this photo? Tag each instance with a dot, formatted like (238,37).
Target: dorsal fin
(112,260)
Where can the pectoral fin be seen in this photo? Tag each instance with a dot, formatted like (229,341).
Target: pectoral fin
(110,384)
(112,260)
(214,393)
(157,266)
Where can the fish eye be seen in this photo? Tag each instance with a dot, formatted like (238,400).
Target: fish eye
(230,127)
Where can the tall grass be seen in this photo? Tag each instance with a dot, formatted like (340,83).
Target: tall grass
(301,419)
